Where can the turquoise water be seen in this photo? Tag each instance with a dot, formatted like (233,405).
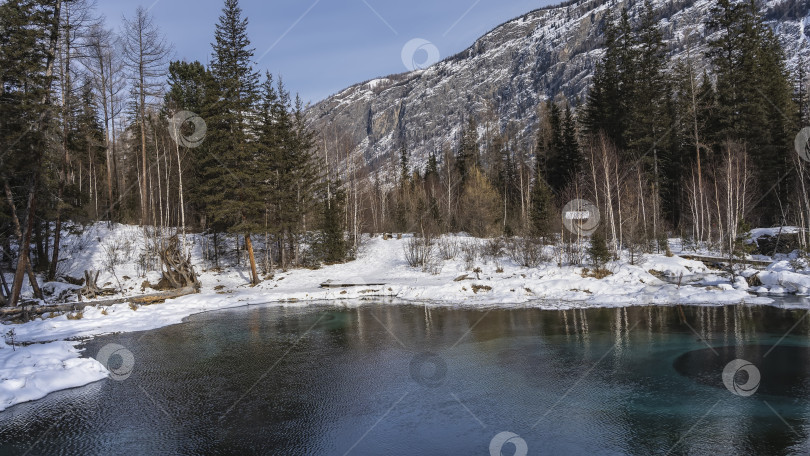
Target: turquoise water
(405,379)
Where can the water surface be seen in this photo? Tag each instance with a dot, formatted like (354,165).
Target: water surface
(404,379)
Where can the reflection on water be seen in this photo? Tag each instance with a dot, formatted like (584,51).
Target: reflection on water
(384,379)
(787,368)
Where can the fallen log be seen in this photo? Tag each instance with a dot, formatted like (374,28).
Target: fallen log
(349,285)
(708,259)
(74,306)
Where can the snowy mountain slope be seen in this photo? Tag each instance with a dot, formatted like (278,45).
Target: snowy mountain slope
(507,73)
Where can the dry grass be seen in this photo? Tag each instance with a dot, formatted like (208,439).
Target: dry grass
(477,288)
(598,273)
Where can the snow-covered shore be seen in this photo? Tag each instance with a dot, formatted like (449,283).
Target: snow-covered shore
(53,363)
(31,372)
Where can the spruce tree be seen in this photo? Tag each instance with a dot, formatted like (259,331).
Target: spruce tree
(29,32)
(556,165)
(192,88)
(467,157)
(614,77)
(432,167)
(572,159)
(404,168)
(541,209)
(287,172)
(332,245)
(598,250)
(232,197)
(753,94)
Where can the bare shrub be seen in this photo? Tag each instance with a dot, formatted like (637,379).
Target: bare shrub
(470,252)
(448,248)
(113,257)
(526,251)
(433,266)
(635,252)
(493,248)
(598,273)
(418,251)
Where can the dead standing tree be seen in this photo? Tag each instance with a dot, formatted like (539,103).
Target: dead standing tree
(145,54)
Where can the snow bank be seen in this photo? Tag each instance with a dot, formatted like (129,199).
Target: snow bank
(31,372)
(499,281)
(757,233)
(780,282)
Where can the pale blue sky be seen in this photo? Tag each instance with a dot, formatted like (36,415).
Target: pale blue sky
(323,46)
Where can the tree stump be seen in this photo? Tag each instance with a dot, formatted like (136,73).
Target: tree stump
(177,269)
(90,290)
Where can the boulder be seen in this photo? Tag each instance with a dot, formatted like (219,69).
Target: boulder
(783,243)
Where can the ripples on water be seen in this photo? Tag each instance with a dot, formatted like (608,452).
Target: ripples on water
(384,379)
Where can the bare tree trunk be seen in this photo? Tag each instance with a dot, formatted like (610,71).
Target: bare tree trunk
(168,221)
(160,220)
(254,274)
(142,117)
(655,194)
(699,219)
(24,246)
(26,261)
(641,199)
(182,203)
(63,173)
(619,209)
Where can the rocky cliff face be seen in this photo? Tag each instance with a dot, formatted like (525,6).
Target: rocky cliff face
(506,73)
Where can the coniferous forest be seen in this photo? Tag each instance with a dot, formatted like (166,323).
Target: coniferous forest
(101,125)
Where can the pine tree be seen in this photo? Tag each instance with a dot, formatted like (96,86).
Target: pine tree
(332,245)
(29,32)
(572,159)
(286,170)
(232,198)
(614,77)
(753,93)
(192,88)
(598,250)
(556,165)
(188,86)
(432,167)
(404,169)
(541,210)
(647,106)
(467,157)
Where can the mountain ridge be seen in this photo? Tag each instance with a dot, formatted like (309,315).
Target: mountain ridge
(505,74)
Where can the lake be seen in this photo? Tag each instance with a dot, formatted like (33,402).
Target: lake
(378,379)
